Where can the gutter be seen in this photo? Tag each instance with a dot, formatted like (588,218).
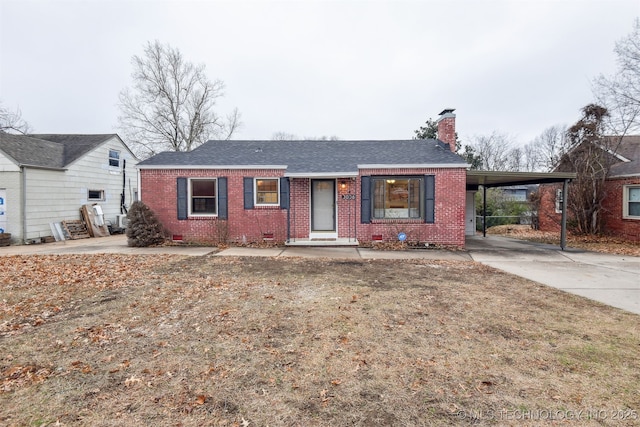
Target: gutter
(49,168)
(23,203)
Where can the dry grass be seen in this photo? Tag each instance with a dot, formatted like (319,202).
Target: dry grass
(603,244)
(127,341)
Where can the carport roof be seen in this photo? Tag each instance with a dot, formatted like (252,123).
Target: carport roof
(503,179)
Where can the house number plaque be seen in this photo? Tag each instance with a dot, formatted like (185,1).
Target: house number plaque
(348,196)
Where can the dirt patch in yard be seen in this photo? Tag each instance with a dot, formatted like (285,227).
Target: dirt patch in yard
(112,340)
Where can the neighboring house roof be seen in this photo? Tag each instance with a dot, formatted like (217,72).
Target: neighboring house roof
(54,151)
(312,157)
(629,149)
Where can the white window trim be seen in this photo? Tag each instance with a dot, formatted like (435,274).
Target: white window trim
(110,158)
(189,199)
(558,200)
(625,201)
(392,214)
(255,191)
(100,199)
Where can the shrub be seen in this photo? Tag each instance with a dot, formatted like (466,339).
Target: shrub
(143,229)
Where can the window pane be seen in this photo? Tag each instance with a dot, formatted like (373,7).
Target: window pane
(267,185)
(414,198)
(202,188)
(200,205)
(634,208)
(203,196)
(95,194)
(396,197)
(634,194)
(267,191)
(378,198)
(114,158)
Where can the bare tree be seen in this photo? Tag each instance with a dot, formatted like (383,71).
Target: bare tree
(620,93)
(12,121)
(286,136)
(530,158)
(548,147)
(283,136)
(591,156)
(494,152)
(171,104)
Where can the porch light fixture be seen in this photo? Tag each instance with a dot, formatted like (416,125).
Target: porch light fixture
(343,185)
(391,181)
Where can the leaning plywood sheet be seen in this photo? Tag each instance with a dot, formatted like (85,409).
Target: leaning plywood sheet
(75,230)
(56,230)
(92,215)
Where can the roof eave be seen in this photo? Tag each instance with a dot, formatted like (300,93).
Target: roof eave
(210,167)
(416,166)
(321,174)
(51,168)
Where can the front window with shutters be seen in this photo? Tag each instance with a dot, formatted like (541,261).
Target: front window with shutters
(202,197)
(398,197)
(267,191)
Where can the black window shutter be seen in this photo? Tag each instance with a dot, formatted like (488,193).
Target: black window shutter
(284,193)
(429,199)
(365,200)
(223,211)
(248,193)
(183,203)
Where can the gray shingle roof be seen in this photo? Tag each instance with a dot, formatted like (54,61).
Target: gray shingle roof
(630,149)
(311,156)
(49,150)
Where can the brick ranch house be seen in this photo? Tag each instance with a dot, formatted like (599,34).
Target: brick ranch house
(349,192)
(621,207)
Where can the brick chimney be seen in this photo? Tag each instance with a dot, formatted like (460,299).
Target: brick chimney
(447,128)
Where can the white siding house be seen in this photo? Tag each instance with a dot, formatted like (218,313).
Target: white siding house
(47,178)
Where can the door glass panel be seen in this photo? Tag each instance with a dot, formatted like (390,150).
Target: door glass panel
(323,205)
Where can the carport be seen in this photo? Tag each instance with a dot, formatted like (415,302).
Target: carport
(491,179)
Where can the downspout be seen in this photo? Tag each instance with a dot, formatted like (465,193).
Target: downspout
(139,184)
(289,212)
(484,211)
(123,208)
(23,203)
(563,226)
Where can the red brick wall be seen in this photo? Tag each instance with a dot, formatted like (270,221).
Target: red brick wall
(159,191)
(300,189)
(614,224)
(448,228)
(548,219)
(628,229)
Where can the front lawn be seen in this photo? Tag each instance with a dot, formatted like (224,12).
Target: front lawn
(112,340)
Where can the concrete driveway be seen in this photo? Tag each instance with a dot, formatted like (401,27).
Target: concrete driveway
(610,279)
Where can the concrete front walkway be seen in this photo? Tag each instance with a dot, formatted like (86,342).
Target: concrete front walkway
(610,279)
(115,244)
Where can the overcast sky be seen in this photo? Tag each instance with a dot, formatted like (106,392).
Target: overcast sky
(353,69)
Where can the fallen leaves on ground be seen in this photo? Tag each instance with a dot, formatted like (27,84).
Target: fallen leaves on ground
(151,340)
(604,244)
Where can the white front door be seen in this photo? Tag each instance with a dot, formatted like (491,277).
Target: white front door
(470,216)
(323,208)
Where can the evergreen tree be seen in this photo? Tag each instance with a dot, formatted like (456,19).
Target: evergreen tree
(144,228)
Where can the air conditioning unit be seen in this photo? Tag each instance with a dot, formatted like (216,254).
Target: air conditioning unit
(121,221)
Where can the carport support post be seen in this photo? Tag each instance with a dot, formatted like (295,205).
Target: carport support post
(484,211)
(563,226)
